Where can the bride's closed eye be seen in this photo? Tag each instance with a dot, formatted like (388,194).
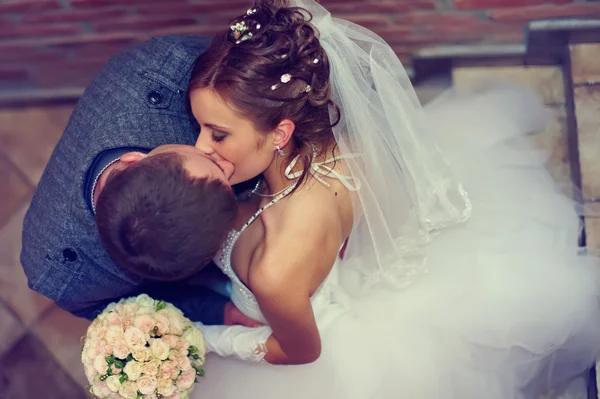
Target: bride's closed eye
(218,136)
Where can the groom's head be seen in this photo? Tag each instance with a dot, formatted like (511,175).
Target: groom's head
(164,215)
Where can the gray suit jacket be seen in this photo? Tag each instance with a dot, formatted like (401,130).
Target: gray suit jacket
(137,100)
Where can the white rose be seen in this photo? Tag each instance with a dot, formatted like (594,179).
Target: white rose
(175,374)
(186,380)
(129,308)
(121,350)
(148,311)
(162,324)
(165,387)
(114,334)
(90,372)
(135,338)
(100,364)
(183,345)
(195,338)
(133,370)
(113,383)
(155,362)
(145,301)
(144,322)
(100,389)
(159,349)
(115,370)
(171,340)
(92,352)
(150,368)
(146,384)
(105,348)
(176,324)
(174,354)
(128,390)
(168,367)
(113,319)
(184,363)
(127,323)
(84,351)
(111,307)
(142,354)
(173,310)
(95,328)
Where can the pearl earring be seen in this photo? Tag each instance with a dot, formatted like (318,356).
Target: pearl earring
(280,151)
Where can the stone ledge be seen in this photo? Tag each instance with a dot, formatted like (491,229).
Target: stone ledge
(550,36)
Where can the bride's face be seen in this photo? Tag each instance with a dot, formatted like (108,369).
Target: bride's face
(226,136)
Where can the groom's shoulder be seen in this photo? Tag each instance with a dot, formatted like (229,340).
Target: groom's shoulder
(137,100)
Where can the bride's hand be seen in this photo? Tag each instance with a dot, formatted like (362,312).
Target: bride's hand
(233,316)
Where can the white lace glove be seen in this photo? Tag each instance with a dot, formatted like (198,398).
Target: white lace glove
(245,343)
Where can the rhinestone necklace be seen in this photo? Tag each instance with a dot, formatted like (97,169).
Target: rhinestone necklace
(255,191)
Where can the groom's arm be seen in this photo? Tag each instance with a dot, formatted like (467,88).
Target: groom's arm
(196,302)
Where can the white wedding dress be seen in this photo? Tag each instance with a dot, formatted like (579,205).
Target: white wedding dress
(507,309)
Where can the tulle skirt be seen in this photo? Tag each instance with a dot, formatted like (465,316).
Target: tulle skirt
(508,308)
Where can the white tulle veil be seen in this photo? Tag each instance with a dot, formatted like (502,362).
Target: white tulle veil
(407,191)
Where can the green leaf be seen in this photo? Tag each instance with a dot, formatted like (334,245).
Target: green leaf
(192,349)
(123,378)
(129,358)
(139,395)
(160,305)
(109,371)
(110,359)
(196,357)
(200,373)
(119,364)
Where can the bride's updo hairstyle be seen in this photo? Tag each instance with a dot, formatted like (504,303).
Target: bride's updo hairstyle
(269,66)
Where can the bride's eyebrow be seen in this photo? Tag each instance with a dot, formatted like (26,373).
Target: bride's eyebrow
(210,125)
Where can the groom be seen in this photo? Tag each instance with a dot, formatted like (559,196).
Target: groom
(136,103)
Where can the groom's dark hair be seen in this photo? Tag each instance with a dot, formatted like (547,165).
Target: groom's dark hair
(160,223)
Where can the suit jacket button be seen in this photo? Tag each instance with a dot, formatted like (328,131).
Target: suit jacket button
(69,255)
(154,97)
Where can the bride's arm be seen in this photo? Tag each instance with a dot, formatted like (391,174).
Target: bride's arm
(296,260)
(294,263)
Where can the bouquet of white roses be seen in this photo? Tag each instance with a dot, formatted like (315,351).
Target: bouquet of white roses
(141,348)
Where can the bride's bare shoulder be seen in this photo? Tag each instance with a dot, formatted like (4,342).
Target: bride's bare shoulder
(301,243)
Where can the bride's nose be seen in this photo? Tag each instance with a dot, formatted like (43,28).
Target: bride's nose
(203,144)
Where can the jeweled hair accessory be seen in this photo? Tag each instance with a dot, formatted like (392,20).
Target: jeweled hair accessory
(240,32)
(286,78)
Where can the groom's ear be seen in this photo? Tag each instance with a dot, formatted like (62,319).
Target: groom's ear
(132,157)
(283,133)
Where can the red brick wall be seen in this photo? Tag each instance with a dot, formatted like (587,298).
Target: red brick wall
(62,43)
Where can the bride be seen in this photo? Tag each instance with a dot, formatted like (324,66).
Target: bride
(376,269)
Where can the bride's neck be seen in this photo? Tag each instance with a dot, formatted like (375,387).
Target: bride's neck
(275,177)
